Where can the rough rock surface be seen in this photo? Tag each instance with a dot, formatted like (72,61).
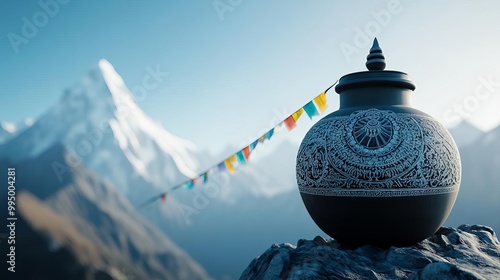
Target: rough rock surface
(468,252)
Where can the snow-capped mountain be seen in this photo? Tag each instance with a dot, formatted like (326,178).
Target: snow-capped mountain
(99,121)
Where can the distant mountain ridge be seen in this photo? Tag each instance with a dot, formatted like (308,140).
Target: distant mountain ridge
(465,133)
(479,196)
(91,223)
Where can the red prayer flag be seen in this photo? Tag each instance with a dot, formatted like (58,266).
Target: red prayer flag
(246,152)
(164,197)
(290,123)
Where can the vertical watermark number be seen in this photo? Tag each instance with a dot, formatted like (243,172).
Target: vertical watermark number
(11,219)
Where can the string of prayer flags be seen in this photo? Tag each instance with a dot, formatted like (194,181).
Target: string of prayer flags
(312,108)
(178,186)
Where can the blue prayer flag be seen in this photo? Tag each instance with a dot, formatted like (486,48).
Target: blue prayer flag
(189,185)
(222,166)
(270,134)
(310,109)
(253,145)
(241,157)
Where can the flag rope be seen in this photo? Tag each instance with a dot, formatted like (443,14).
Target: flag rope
(242,155)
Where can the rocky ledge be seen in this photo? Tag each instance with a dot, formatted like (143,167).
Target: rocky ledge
(468,252)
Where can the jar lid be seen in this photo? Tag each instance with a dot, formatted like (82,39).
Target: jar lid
(376,76)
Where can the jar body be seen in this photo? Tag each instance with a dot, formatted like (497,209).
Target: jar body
(378,171)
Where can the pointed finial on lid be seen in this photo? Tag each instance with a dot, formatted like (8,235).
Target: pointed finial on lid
(375,60)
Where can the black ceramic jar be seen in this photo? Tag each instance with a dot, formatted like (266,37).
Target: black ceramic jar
(378,171)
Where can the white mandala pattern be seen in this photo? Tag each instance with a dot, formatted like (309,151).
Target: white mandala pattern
(378,153)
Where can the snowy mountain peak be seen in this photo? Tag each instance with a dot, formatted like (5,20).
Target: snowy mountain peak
(109,72)
(13,128)
(116,85)
(99,121)
(8,127)
(100,94)
(9,130)
(28,122)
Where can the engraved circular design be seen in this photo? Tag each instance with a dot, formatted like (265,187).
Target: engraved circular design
(368,165)
(370,132)
(378,153)
(373,129)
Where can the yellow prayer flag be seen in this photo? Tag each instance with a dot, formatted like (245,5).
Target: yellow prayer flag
(229,165)
(323,96)
(232,158)
(320,102)
(297,114)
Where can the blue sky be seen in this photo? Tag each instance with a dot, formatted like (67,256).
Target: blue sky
(234,73)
